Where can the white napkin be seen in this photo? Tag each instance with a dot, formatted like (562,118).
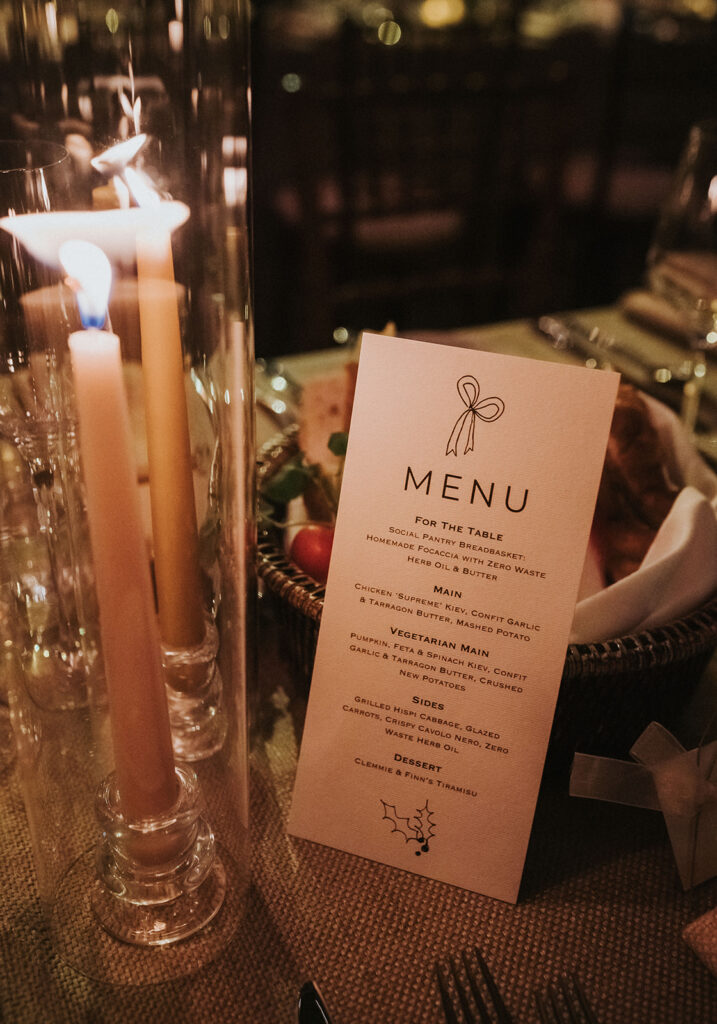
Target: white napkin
(701,936)
(679,571)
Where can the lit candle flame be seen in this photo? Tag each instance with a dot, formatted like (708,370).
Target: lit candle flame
(141,188)
(90,277)
(712,194)
(132,110)
(113,162)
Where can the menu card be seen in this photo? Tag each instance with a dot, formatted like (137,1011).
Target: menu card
(467,497)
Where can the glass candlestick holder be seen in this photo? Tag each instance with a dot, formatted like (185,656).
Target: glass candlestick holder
(195,695)
(134,290)
(113,888)
(158,879)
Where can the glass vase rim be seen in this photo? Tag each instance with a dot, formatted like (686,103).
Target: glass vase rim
(46,154)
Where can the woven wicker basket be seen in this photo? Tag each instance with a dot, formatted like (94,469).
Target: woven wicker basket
(609,692)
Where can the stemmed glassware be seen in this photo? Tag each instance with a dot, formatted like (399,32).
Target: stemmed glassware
(682,260)
(18,541)
(35,406)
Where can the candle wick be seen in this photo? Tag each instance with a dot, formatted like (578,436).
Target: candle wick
(89,276)
(90,315)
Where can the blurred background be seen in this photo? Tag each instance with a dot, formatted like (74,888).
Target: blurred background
(439,163)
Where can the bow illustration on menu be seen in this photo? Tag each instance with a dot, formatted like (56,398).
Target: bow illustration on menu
(487,409)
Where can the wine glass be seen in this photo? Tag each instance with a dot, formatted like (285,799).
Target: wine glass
(682,259)
(35,401)
(8,633)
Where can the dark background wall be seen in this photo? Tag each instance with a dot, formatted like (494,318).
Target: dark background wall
(507,164)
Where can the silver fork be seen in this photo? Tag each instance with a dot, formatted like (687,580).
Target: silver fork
(481,1014)
(572,1008)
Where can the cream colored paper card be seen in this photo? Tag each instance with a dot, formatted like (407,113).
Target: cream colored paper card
(467,498)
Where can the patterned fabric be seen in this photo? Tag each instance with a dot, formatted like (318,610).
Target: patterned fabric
(701,935)
(600,897)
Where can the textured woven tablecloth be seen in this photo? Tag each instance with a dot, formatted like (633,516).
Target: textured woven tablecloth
(600,897)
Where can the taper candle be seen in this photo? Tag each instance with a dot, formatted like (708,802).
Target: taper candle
(174,522)
(142,742)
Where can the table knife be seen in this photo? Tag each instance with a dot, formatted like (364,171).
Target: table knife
(312,1009)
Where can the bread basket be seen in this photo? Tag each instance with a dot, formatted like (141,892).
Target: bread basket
(609,692)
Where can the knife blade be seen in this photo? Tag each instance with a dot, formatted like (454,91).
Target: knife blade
(312,1009)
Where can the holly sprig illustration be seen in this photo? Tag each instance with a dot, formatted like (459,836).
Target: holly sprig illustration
(418,828)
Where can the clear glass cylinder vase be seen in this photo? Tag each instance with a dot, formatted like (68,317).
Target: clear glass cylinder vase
(126,376)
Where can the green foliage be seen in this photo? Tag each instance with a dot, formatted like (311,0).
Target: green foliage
(297,479)
(338,443)
(290,482)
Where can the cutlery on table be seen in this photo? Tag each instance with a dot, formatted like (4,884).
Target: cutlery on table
(486,1005)
(312,1009)
(662,381)
(572,1008)
(657,378)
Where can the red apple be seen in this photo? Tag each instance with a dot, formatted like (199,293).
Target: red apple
(311,550)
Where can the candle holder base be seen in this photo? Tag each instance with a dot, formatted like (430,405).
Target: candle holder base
(195,697)
(82,941)
(163,924)
(158,880)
